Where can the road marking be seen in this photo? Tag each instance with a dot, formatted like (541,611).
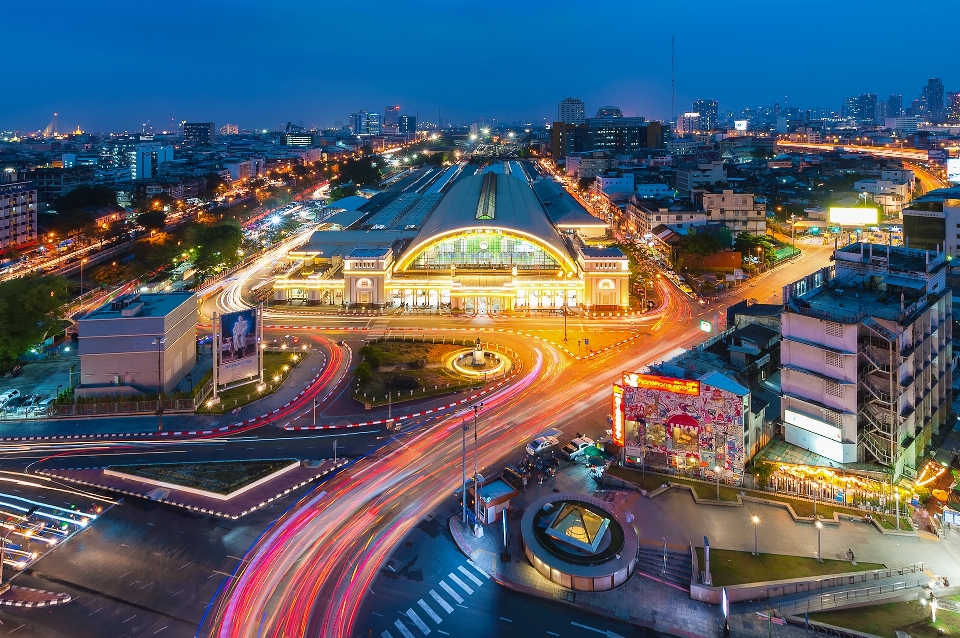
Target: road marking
(505,619)
(161,629)
(587,627)
(402,629)
(476,567)
(465,587)
(128,619)
(440,601)
(422,626)
(433,615)
(552,633)
(386,634)
(466,572)
(93,612)
(447,588)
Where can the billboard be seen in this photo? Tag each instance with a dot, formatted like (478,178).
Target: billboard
(953,170)
(667,384)
(863,216)
(740,125)
(684,431)
(617,416)
(237,342)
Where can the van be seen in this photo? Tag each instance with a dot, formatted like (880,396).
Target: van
(8,396)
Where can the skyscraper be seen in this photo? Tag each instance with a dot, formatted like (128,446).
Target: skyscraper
(408,124)
(708,110)
(931,99)
(391,120)
(862,108)
(894,105)
(571,111)
(365,123)
(198,133)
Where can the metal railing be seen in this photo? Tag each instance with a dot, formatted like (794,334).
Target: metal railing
(843,597)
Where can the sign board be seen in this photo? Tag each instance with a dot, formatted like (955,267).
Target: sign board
(665,384)
(617,423)
(862,216)
(740,125)
(237,342)
(738,274)
(705,326)
(953,170)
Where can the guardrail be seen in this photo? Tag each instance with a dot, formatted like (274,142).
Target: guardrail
(840,598)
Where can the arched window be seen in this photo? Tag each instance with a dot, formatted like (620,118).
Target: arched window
(606,284)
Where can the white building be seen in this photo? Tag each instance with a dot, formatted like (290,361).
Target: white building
(147,159)
(891,196)
(706,174)
(739,212)
(654,191)
(607,185)
(18,214)
(902,124)
(118,343)
(589,164)
(571,111)
(866,357)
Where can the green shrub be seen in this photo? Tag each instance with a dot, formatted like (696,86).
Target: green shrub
(363,372)
(404,381)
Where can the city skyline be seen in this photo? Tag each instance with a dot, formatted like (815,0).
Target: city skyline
(116,85)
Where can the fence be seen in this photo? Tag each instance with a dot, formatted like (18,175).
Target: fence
(846,597)
(120,407)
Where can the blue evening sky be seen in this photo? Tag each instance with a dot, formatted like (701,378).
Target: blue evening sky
(112,65)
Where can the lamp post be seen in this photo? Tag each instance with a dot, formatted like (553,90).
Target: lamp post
(463,464)
(314,412)
(159,341)
(564,322)
(476,475)
(82,262)
(897,492)
(756,524)
(819,530)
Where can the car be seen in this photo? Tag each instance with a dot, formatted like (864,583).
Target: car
(41,407)
(8,396)
(542,444)
(686,288)
(576,447)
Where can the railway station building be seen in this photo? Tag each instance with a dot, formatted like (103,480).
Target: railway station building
(500,240)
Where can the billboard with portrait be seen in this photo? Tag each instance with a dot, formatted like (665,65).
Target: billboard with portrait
(238,353)
(686,426)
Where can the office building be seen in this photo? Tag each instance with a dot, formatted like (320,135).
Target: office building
(408,125)
(51,182)
(119,349)
(198,133)
(571,111)
(298,139)
(18,214)
(866,361)
(709,114)
(229,129)
(700,175)
(903,124)
(740,212)
(365,123)
(931,100)
(687,123)
(391,120)
(932,222)
(623,135)
(566,139)
(148,157)
(609,111)
(590,164)
(894,105)
(953,107)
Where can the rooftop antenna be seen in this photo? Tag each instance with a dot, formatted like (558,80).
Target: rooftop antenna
(673,84)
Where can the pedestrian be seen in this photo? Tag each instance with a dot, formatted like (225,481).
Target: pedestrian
(524,483)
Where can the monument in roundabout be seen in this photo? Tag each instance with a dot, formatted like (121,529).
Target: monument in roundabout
(579,542)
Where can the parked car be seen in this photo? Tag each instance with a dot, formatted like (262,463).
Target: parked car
(575,448)
(41,408)
(542,444)
(8,396)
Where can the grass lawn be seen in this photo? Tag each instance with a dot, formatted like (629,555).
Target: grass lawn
(729,567)
(708,492)
(221,477)
(274,375)
(884,620)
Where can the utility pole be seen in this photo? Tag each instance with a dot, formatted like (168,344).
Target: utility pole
(476,474)
(159,341)
(314,412)
(463,458)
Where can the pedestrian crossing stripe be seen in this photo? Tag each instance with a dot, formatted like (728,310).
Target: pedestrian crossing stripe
(433,615)
(466,572)
(465,587)
(453,594)
(402,629)
(422,626)
(440,601)
(477,567)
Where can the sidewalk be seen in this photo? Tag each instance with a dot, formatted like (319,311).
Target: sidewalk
(675,517)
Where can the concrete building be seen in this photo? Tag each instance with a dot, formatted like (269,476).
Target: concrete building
(589,164)
(391,120)
(229,129)
(903,124)
(932,222)
(571,111)
(148,158)
(566,139)
(607,185)
(199,133)
(408,125)
(623,135)
(889,195)
(653,191)
(709,111)
(119,353)
(866,357)
(703,174)
(740,212)
(18,215)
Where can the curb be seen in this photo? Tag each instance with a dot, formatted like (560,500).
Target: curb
(59,599)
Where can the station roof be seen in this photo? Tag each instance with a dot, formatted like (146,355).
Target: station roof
(332,242)
(562,208)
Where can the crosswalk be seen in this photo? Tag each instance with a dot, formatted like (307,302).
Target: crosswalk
(426,610)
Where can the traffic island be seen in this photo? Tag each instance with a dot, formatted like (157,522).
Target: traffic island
(277,366)
(730,567)
(28,597)
(227,489)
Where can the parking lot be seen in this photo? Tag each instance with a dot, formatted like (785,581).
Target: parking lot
(37,381)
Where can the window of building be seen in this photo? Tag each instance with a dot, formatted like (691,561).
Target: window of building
(833,389)
(833,359)
(834,329)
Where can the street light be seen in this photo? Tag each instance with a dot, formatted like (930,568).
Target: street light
(756,524)
(819,530)
(476,483)
(159,341)
(82,262)
(463,458)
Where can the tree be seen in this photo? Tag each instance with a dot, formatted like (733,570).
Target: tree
(360,171)
(339,192)
(153,220)
(29,313)
(83,196)
(761,152)
(216,245)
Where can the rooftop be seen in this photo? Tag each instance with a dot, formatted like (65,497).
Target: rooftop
(159,304)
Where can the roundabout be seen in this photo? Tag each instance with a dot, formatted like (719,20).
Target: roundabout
(579,542)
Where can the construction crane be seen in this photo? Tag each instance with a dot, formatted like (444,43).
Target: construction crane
(51,130)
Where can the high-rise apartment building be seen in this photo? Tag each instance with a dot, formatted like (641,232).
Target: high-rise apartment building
(391,120)
(862,108)
(866,357)
(571,111)
(895,106)
(147,158)
(709,114)
(408,125)
(931,99)
(952,105)
(198,133)
(18,214)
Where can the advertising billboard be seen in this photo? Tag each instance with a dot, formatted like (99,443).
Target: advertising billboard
(693,433)
(237,342)
(617,416)
(953,170)
(863,216)
(740,125)
(667,384)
